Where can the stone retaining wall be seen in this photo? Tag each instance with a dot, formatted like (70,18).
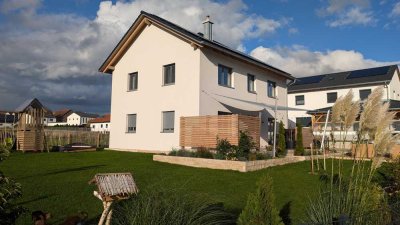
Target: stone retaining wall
(227,164)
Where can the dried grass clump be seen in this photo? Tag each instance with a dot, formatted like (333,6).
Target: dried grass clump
(371,109)
(345,112)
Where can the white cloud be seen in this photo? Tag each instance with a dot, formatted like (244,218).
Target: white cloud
(348,12)
(353,16)
(396,10)
(300,61)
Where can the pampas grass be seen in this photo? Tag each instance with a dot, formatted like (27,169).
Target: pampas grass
(356,199)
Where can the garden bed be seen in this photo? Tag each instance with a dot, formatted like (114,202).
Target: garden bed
(242,166)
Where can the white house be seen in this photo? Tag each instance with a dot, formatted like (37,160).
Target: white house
(49,118)
(101,124)
(161,72)
(318,93)
(80,118)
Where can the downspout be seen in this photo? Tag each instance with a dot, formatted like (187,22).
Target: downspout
(387,90)
(291,82)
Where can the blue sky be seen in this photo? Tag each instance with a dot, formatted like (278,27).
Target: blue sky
(51,49)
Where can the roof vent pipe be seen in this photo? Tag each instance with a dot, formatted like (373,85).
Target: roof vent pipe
(208,28)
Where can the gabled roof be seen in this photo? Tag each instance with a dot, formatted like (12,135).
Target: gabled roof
(370,76)
(62,112)
(195,40)
(35,103)
(103,119)
(89,115)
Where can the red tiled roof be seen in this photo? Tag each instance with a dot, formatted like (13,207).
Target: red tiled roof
(61,112)
(103,119)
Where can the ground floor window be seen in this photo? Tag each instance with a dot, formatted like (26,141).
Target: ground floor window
(168,120)
(131,123)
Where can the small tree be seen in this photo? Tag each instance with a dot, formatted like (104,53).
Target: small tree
(260,207)
(246,144)
(281,140)
(299,140)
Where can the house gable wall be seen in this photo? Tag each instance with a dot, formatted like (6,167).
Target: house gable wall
(153,49)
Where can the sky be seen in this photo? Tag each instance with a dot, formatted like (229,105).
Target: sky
(51,49)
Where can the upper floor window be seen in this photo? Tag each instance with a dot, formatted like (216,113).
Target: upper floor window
(169,74)
(168,120)
(271,89)
(331,97)
(133,81)
(251,81)
(224,76)
(299,99)
(131,123)
(364,93)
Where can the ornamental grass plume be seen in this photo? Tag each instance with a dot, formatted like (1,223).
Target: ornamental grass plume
(345,111)
(371,110)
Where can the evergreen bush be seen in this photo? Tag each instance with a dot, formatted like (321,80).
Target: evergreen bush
(260,207)
(299,140)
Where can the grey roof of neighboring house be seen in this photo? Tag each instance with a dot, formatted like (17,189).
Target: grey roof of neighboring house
(370,76)
(201,40)
(89,115)
(393,105)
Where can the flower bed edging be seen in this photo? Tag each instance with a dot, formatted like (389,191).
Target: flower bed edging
(227,164)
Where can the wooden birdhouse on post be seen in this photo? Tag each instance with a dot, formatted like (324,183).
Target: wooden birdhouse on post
(113,187)
(30,130)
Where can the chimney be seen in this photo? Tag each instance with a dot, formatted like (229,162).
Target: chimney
(208,28)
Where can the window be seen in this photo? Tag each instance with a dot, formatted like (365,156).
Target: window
(93,126)
(271,89)
(299,99)
(133,81)
(304,121)
(101,125)
(251,83)
(331,97)
(106,125)
(131,123)
(224,76)
(168,121)
(364,93)
(169,74)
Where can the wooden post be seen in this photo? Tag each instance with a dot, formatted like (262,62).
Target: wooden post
(98,140)
(312,159)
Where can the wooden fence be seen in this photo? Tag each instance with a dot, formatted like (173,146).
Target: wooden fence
(64,137)
(7,133)
(203,131)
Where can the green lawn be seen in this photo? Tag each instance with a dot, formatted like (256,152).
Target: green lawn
(58,182)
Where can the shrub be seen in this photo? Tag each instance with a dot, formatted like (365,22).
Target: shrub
(260,207)
(281,140)
(223,147)
(246,144)
(204,153)
(299,140)
(10,191)
(159,206)
(182,153)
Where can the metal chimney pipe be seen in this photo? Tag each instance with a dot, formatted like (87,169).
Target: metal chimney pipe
(208,29)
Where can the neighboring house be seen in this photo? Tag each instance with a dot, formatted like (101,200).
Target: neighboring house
(80,118)
(49,118)
(317,94)
(62,115)
(8,119)
(162,72)
(101,123)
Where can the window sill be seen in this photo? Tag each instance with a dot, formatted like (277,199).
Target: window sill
(167,132)
(164,85)
(126,132)
(252,92)
(132,90)
(226,86)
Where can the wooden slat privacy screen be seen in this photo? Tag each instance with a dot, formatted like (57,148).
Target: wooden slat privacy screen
(202,131)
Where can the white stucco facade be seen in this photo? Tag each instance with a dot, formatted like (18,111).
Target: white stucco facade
(196,73)
(75,120)
(318,99)
(101,127)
